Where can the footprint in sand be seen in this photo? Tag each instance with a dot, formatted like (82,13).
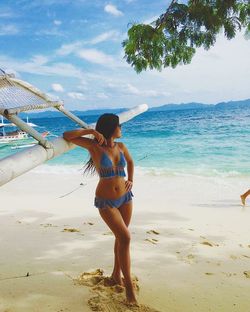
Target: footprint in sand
(108,233)
(233,257)
(48,225)
(108,296)
(248,246)
(189,259)
(151,240)
(228,274)
(153,232)
(216,263)
(72,230)
(207,243)
(209,273)
(247,274)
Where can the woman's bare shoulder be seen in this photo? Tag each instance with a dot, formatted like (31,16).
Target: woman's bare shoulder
(121,145)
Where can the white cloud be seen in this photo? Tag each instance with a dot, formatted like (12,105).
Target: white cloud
(50,32)
(112,9)
(37,67)
(146,92)
(40,59)
(9,29)
(62,69)
(76,95)
(57,22)
(130,84)
(132,89)
(143,92)
(83,84)
(112,34)
(57,87)
(95,56)
(74,47)
(102,96)
(67,49)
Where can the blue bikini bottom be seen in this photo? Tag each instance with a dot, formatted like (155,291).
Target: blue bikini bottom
(113,203)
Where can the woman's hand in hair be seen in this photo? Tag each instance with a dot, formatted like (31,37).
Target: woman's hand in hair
(100,138)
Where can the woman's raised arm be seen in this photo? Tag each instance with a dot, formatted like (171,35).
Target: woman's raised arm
(69,135)
(75,136)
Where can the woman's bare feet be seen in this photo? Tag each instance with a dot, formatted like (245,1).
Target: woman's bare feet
(117,280)
(243,200)
(130,295)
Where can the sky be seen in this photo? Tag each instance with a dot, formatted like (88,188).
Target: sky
(72,50)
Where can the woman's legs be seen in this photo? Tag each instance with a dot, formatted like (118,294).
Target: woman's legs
(244,196)
(126,213)
(116,274)
(113,218)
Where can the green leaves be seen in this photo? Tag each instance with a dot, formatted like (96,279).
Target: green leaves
(182,28)
(145,47)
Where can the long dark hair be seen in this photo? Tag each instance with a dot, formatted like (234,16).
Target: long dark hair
(106,125)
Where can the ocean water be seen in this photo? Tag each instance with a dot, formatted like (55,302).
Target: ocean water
(206,142)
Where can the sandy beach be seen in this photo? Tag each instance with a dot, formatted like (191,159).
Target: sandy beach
(190,244)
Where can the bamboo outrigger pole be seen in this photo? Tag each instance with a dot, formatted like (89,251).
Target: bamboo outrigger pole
(19,96)
(23,161)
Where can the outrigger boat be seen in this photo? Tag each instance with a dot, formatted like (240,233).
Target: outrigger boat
(11,136)
(16,135)
(29,144)
(18,96)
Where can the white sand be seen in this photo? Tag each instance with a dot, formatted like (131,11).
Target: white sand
(196,262)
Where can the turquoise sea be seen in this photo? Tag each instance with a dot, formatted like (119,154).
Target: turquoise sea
(206,142)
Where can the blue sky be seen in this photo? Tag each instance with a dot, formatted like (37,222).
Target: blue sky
(72,50)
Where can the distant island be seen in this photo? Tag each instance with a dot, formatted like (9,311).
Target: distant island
(193,105)
(166,107)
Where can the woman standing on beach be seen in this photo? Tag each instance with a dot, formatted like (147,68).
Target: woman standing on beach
(113,192)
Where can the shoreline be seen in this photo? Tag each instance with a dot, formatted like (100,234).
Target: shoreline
(76,169)
(195,263)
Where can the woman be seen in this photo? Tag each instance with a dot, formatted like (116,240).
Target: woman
(113,192)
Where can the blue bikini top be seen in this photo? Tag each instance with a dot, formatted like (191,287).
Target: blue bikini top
(107,168)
